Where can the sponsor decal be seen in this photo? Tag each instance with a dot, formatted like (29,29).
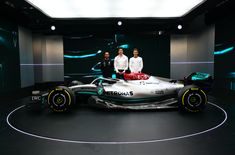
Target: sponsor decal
(36,98)
(160,92)
(118,93)
(142,83)
(152,82)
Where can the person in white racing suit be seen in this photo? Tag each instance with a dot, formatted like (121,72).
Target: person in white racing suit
(120,64)
(136,62)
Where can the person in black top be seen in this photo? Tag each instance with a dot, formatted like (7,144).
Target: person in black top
(106,66)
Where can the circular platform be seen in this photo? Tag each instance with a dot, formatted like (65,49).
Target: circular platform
(96,126)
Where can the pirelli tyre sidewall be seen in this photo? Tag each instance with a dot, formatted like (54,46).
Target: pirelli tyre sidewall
(192,99)
(60,99)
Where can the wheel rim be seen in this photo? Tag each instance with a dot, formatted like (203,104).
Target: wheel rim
(194,99)
(59,100)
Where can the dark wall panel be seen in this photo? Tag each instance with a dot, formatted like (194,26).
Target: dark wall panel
(9,57)
(225,54)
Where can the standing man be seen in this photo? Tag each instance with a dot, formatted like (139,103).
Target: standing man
(106,66)
(120,63)
(136,62)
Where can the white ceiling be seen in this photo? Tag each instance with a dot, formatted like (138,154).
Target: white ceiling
(115,8)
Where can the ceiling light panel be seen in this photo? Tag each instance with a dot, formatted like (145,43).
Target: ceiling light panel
(115,8)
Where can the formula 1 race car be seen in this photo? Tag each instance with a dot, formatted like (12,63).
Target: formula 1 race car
(136,91)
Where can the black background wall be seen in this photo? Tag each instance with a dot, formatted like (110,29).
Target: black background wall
(224,63)
(154,49)
(9,57)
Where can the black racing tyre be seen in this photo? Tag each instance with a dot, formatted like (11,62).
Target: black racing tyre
(75,82)
(60,99)
(192,99)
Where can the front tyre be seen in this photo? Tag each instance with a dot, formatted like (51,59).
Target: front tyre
(192,98)
(60,99)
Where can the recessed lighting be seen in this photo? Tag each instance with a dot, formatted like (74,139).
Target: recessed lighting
(53,28)
(179,27)
(119,23)
(160,33)
(115,8)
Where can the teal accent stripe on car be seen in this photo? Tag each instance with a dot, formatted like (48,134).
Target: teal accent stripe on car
(87,93)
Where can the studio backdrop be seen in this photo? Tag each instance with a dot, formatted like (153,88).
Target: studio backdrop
(83,53)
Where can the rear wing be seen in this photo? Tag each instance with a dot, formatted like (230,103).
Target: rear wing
(198,76)
(203,80)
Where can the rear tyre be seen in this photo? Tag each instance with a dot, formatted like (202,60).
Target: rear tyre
(60,99)
(192,99)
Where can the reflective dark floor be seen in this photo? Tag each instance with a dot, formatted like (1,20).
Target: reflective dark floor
(100,132)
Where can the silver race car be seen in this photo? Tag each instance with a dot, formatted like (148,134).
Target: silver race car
(136,91)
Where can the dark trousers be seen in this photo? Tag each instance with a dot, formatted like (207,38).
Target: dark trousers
(120,76)
(107,75)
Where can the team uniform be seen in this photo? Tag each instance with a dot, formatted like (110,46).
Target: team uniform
(106,67)
(120,64)
(136,64)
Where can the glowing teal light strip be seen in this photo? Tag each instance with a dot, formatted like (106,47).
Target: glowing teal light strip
(82,56)
(223,51)
(79,56)
(94,67)
(231,74)
(124,46)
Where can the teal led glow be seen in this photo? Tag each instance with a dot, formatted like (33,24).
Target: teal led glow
(200,76)
(232,85)
(95,69)
(125,46)
(82,56)
(223,51)
(114,76)
(231,75)
(79,56)
(2,39)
